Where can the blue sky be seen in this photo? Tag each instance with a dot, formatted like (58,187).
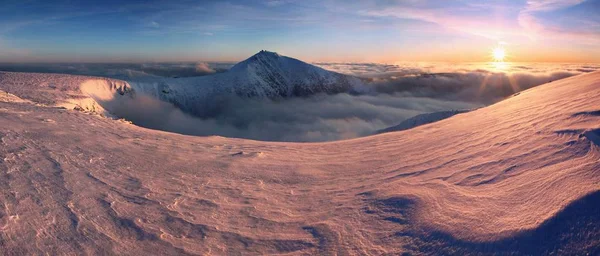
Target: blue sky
(330,30)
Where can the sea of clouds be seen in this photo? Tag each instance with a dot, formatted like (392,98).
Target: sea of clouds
(399,91)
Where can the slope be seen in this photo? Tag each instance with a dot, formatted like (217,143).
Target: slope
(518,177)
(421,119)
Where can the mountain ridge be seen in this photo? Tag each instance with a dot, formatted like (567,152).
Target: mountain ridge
(263,75)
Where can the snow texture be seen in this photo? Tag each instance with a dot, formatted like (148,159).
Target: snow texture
(421,119)
(520,177)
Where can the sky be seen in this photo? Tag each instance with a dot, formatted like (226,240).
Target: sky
(378,31)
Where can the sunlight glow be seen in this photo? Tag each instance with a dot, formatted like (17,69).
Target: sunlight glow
(498,54)
(498,66)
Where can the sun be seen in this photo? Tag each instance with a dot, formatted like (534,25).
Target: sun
(498,54)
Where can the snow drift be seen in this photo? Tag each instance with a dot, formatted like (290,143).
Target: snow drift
(421,120)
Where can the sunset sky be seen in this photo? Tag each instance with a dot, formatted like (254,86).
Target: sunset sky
(383,31)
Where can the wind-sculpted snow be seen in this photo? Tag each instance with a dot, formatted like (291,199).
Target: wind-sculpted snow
(93,94)
(520,177)
(421,120)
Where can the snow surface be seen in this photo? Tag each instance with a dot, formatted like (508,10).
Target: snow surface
(518,177)
(421,119)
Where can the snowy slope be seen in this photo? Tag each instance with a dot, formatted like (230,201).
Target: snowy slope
(421,119)
(92,94)
(520,177)
(264,75)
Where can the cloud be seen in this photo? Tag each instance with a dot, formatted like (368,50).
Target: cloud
(399,92)
(371,70)
(535,26)
(549,5)
(273,3)
(204,68)
(476,86)
(527,17)
(465,17)
(484,83)
(506,21)
(317,118)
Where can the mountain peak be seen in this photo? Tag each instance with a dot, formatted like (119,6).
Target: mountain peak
(268,74)
(260,59)
(267,53)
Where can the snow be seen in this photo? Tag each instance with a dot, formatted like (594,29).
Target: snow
(92,94)
(521,176)
(421,119)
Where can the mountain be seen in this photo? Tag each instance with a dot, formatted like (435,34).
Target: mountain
(268,74)
(264,75)
(421,119)
(519,177)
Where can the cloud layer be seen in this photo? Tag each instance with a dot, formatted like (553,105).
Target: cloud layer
(317,118)
(399,92)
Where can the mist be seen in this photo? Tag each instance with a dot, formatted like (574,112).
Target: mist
(317,118)
(478,86)
(397,93)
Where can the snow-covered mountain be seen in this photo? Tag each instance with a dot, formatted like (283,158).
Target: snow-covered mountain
(264,75)
(421,119)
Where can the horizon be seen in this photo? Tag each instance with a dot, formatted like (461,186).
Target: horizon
(235,61)
(561,31)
